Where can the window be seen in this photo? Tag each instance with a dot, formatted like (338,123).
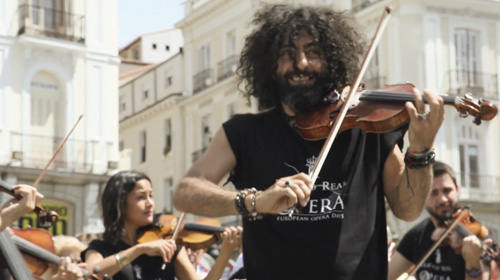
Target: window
(206,135)
(123,106)
(204,57)
(121,146)
(154,46)
(135,53)
(468,62)
(469,156)
(168,191)
(142,149)
(168,136)
(167,48)
(230,43)
(145,91)
(168,78)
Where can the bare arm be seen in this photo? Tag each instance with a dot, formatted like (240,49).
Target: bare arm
(109,265)
(398,265)
(406,189)
(198,193)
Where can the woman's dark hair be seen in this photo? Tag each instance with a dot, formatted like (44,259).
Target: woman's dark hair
(113,202)
(333,31)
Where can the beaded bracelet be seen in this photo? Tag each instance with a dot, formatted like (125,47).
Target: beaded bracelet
(474,273)
(239,202)
(417,160)
(253,212)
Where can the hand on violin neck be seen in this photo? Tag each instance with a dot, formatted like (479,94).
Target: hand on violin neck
(471,252)
(424,124)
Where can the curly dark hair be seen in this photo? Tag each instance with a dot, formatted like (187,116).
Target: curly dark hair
(113,203)
(334,32)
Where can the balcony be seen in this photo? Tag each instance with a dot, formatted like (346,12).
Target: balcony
(35,151)
(479,84)
(40,21)
(358,5)
(203,80)
(480,188)
(227,67)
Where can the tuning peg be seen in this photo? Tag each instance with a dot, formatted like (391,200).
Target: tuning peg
(468,96)
(477,121)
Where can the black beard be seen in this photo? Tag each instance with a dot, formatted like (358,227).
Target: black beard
(302,98)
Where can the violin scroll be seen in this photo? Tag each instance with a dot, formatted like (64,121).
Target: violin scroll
(482,110)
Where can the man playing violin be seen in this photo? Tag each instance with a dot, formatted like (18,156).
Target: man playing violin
(445,262)
(334,228)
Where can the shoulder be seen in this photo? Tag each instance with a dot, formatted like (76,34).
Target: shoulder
(251,118)
(102,247)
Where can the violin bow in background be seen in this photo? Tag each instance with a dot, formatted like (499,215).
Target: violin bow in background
(414,268)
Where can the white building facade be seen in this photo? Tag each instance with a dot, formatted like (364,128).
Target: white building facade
(59,61)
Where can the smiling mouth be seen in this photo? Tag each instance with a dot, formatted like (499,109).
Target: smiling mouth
(301,79)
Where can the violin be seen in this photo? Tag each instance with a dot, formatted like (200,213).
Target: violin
(469,225)
(199,235)
(38,251)
(465,224)
(379,111)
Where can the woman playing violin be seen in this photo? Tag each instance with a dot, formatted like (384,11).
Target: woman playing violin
(127,205)
(445,262)
(335,227)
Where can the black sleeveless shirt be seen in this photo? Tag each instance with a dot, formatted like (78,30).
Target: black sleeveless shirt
(341,233)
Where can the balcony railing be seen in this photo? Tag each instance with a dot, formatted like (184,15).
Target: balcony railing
(226,67)
(479,84)
(203,80)
(358,5)
(476,187)
(40,21)
(34,151)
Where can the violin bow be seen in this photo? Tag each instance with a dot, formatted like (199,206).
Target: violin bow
(40,176)
(176,232)
(352,92)
(414,268)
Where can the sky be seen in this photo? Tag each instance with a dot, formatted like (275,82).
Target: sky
(137,17)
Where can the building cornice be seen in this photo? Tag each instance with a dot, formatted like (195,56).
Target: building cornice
(155,109)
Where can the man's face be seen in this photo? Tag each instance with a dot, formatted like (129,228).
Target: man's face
(443,197)
(301,74)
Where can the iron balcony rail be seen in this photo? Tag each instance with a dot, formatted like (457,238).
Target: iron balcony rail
(227,67)
(478,187)
(203,80)
(479,84)
(41,21)
(34,151)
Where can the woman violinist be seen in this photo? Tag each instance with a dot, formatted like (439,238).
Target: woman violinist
(127,205)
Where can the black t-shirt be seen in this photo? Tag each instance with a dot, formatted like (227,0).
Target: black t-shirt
(144,267)
(443,264)
(341,232)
